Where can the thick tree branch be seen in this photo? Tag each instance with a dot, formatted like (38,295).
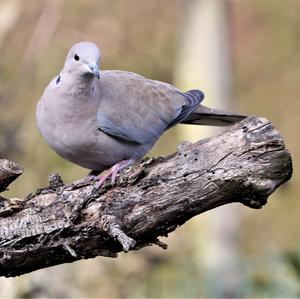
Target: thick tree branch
(64,223)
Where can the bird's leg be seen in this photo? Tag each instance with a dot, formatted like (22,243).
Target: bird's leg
(92,175)
(113,171)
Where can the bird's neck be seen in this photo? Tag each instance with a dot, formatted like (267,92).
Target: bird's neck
(79,86)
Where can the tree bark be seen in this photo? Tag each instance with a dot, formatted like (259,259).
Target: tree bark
(64,223)
(9,171)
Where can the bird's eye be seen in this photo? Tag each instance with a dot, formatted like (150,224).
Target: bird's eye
(76,57)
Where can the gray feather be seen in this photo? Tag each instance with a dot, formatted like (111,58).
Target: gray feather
(212,117)
(124,133)
(193,98)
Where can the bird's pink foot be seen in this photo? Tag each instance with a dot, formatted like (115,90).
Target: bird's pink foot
(92,176)
(88,178)
(112,172)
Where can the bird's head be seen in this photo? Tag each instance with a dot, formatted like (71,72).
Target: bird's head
(83,60)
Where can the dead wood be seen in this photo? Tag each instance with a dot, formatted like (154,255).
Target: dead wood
(65,223)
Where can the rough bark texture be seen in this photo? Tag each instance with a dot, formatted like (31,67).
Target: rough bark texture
(9,171)
(65,223)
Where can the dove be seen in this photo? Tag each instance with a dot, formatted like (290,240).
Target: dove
(109,119)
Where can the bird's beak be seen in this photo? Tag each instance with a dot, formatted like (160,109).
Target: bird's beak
(94,69)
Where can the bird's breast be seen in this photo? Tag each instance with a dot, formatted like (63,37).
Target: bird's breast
(70,128)
(66,125)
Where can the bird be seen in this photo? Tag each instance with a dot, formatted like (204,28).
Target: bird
(109,119)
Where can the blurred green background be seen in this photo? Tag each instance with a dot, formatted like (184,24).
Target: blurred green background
(244,55)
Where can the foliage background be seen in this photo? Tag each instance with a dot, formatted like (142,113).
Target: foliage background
(146,37)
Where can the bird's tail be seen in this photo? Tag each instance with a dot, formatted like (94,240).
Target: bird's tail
(212,117)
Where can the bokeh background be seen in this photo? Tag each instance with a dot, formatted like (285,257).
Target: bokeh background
(244,55)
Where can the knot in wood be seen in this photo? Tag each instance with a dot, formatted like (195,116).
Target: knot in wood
(55,181)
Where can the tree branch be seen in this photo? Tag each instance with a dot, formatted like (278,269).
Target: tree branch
(9,171)
(65,223)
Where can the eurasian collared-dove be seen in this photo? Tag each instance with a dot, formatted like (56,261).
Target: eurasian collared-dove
(109,119)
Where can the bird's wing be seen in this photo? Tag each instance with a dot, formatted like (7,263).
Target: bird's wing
(193,98)
(137,110)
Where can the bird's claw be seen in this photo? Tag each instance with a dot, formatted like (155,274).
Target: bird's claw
(113,172)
